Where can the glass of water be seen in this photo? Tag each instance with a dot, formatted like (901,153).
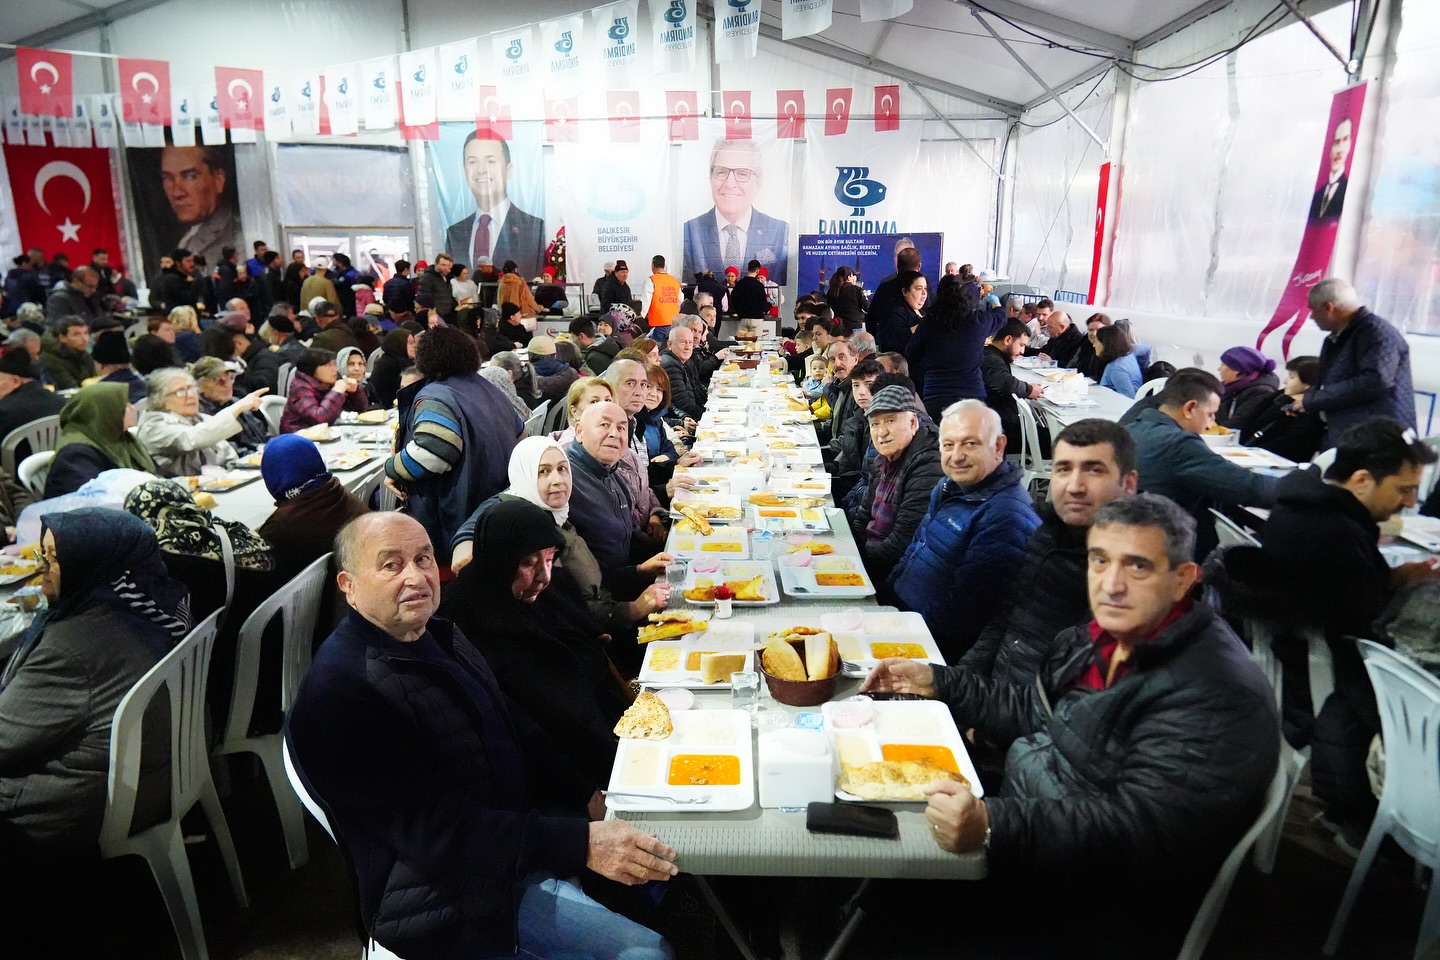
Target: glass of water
(675,576)
(745,691)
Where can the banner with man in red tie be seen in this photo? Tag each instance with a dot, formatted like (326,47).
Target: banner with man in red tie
(490,181)
(64,201)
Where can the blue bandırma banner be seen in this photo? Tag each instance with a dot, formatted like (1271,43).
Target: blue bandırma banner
(870,255)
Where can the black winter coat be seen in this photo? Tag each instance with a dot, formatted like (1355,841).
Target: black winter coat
(1147,784)
(1294,437)
(1001,389)
(262,368)
(849,305)
(74,466)
(919,472)
(686,392)
(400,756)
(1238,411)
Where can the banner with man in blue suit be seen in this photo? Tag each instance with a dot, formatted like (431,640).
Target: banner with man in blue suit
(740,177)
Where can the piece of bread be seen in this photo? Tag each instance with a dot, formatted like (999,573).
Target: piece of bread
(696,518)
(647,719)
(766,499)
(670,624)
(717,667)
(752,590)
(818,655)
(782,662)
(893,781)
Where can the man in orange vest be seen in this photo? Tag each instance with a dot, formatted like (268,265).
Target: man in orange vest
(661,301)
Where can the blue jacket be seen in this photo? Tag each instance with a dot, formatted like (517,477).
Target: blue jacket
(403,758)
(1123,375)
(1176,463)
(969,545)
(600,508)
(1364,373)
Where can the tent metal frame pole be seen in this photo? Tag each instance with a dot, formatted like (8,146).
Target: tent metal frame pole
(1296,12)
(955,130)
(1036,77)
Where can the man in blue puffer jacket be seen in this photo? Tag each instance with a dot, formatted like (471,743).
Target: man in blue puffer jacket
(972,540)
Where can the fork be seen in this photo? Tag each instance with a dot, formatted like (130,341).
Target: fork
(679,801)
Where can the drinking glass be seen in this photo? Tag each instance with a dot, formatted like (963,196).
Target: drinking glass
(675,576)
(745,691)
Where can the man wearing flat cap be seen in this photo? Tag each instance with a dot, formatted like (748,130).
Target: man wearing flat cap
(23,398)
(898,480)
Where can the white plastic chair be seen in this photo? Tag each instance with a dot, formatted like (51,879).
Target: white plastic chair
(141,405)
(1151,386)
(536,420)
(1325,459)
(1231,534)
(298,604)
(1409,812)
(284,375)
(40,434)
(1213,905)
(370,361)
(272,409)
(1034,465)
(35,470)
(182,673)
(372,950)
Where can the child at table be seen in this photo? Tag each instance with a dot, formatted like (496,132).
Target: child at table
(814,377)
(1295,436)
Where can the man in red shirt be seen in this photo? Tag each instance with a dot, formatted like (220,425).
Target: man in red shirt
(1137,759)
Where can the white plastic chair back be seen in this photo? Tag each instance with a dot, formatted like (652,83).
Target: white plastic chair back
(1035,466)
(272,409)
(1151,386)
(35,470)
(1325,459)
(1409,700)
(297,603)
(370,361)
(1213,905)
(385,498)
(40,434)
(1231,533)
(141,405)
(182,674)
(536,420)
(284,375)
(1429,476)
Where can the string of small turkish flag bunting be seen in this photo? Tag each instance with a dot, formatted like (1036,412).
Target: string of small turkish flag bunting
(47,90)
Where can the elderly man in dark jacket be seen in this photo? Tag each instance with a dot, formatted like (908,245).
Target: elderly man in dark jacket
(899,479)
(458,817)
(971,541)
(76,298)
(1364,364)
(600,503)
(687,393)
(1139,758)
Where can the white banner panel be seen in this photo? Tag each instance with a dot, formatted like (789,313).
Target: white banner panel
(561,42)
(378,107)
(212,128)
(615,36)
(674,29)
(182,116)
(802,18)
(737,30)
(342,99)
(864,182)
(419,76)
(455,87)
(872,11)
(14,123)
(306,102)
(60,131)
(80,126)
(279,92)
(514,51)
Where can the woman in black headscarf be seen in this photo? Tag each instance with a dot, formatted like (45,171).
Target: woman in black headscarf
(397,351)
(114,613)
(529,619)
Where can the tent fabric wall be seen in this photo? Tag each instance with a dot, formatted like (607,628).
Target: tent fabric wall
(1399,271)
(1057,175)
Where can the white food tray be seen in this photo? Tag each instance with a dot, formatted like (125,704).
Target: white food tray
(917,722)
(724,636)
(801,582)
(643,766)
(737,570)
(692,546)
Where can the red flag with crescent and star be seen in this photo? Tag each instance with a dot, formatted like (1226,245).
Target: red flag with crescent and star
(46,83)
(240,96)
(790,114)
(735,108)
(837,110)
(64,201)
(681,107)
(624,115)
(887,107)
(145,91)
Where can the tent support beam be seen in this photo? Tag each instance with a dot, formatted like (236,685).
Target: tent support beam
(1031,17)
(97,18)
(1068,85)
(1309,25)
(1036,77)
(955,130)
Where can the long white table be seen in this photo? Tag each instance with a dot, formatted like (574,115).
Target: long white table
(1105,403)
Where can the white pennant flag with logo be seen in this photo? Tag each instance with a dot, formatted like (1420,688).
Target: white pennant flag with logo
(418,75)
(737,29)
(305,104)
(14,123)
(35,130)
(212,128)
(154,133)
(674,29)
(615,38)
(802,18)
(102,119)
(132,132)
(377,80)
(514,51)
(560,44)
(60,130)
(873,11)
(342,99)
(278,93)
(455,88)
(80,126)
(182,116)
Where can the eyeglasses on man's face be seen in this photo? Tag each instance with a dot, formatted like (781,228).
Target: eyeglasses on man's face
(741,174)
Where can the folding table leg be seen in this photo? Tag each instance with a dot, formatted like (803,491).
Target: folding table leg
(724,917)
(854,914)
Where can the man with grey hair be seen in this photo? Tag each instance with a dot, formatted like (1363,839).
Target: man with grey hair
(863,344)
(973,536)
(1063,339)
(1364,364)
(732,232)
(1153,802)
(687,392)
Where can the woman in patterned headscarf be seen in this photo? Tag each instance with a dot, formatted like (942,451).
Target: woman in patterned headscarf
(114,613)
(183,526)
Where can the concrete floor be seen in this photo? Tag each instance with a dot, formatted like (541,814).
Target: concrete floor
(308,914)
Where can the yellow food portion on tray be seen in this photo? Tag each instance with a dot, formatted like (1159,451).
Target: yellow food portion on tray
(665,658)
(893,780)
(910,651)
(839,580)
(746,591)
(669,624)
(704,770)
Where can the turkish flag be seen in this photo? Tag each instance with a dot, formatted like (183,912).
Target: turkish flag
(64,201)
(425,131)
(736,112)
(560,120)
(624,115)
(145,91)
(837,110)
(495,116)
(46,84)
(790,114)
(682,107)
(241,106)
(887,108)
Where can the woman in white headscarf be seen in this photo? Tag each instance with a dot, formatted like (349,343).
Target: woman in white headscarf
(540,473)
